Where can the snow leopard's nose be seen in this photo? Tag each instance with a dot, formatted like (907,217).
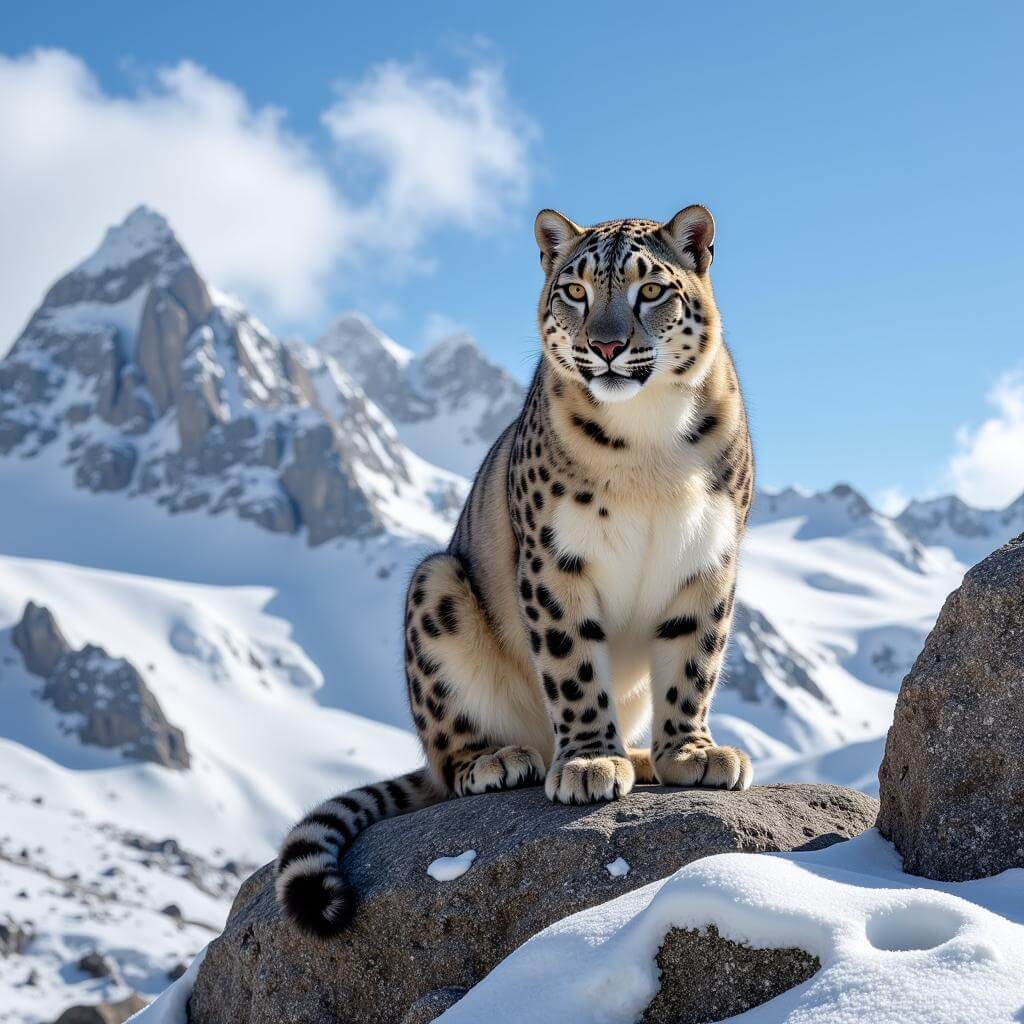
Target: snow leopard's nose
(607,350)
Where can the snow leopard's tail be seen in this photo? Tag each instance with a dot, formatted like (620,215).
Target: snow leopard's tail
(311,889)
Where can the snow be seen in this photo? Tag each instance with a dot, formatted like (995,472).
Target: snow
(230,674)
(893,948)
(171,1006)
(447,869)
(141,232)
(354,328)
(618,868)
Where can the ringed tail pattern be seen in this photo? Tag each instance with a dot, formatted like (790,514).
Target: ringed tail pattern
(311,889)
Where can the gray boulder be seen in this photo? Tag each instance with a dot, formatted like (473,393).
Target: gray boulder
(39,639)
(114,708)
(415,942)
(115,1012)
(96,964)
(705,977)
(952,779)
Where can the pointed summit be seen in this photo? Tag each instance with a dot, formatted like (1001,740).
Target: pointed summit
(142,250)
(353,338)
(142,233)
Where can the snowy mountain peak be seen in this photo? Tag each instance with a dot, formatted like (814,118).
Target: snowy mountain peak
(970,533)
(140,252)
(448,403)
(841,512)
(145,382)
(142,233)
(833,510)
(460,345)
(353,336)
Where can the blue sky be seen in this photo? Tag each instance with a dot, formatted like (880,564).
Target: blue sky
(863,164)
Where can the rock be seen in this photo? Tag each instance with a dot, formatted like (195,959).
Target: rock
(324,491)
(111,702)
(537,862)
(952,779)
(14,938)
(757,656)
(172,910)
(103,1013)
(429,1007)
(106,467)
(114,708)
(164,328)
(705,977)
(175,972)
(96,964)
(39,639)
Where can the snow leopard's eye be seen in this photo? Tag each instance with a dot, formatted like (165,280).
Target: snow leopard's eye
(576,291)
(651,291)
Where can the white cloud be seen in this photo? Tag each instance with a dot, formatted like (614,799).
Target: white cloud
(261,211)
(987,468)
(446,152)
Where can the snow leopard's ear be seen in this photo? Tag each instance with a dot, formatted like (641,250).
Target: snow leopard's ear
(691,233)
(555,235)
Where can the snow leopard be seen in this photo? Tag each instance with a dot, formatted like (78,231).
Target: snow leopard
(585,597)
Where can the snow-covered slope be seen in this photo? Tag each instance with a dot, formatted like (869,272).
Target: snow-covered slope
(93,848)
(449,403)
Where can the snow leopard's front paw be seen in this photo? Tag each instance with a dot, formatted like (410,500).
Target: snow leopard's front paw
(506,768)
(709,766)
(584,780)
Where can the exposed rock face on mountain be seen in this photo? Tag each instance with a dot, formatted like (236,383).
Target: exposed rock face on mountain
(449,403)
(147,383)
(952,781)
(109,702)
(758,659)
(416,943)
(970,533)
(39,639)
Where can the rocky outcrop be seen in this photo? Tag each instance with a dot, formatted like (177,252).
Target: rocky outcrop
(416,943)
(952,780)
(146,383)
(760,664)
(107,699)
(39,639)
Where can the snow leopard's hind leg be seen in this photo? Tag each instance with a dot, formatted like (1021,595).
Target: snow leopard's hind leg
(451,659)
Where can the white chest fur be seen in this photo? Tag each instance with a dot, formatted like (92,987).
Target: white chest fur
(639,554)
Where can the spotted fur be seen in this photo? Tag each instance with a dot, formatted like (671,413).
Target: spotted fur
(587,591)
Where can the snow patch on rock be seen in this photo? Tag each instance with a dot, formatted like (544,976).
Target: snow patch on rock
(447,869)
